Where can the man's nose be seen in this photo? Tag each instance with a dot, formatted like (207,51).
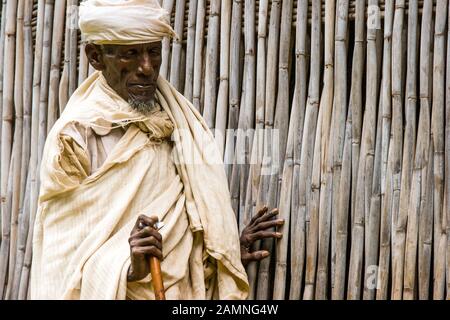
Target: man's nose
(145,64)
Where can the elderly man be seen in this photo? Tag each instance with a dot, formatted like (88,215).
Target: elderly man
(110,171)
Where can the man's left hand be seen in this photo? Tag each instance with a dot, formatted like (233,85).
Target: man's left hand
(259,228)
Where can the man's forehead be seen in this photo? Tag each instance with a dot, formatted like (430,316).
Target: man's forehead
(121,47)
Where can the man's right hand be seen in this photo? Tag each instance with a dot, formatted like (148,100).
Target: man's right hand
(145,241)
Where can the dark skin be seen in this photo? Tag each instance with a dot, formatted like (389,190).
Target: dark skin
(132,71)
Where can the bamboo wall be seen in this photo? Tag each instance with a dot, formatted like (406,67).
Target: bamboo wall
(351,107)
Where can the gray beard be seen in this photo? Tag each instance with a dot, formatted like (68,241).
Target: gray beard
(144,108)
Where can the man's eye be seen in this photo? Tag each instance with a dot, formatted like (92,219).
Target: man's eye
(130,53)
(155,52)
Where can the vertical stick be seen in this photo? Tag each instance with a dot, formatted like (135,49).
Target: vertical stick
(64,83)
(34,185)
(271,81)
(247,113)
(17,147)
(298,245)
(198,55)
(437,137)
(385,228)
(222,97)
(318,180)
(355,106)
(258,140)
(334,156)
(84,64)
(58,32)
(2,52)
(398,224)
(235,87)
(73,47)
(447,159)
(26,146)
(176,45)
(212,52)
(190,50)
(281,118)
(7,125)
(410,133)
(164,70)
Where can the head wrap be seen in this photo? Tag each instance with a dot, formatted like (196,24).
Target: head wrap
(125,22)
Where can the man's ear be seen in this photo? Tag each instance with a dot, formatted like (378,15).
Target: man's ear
(95,56)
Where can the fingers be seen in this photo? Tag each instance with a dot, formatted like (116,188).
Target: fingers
(269,215)
(151,241)
(260,213)
(254,256)
(143,221)
(147,251)
(265,234)
(147,232)
(269,224)
(259,255)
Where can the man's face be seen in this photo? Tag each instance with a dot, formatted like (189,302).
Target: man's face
(131,70)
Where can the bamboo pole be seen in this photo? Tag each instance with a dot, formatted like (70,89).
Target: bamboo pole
(34,186)
(175,63)
(222,96)
(409,140)
(190,50)
(419,182)
(235,87)
(281,118)
(26,146)
(437,139)
(447,159)
(356,100)
(198,54)
(45,75)
(164,70)
(247,113)
(83,67)
(58,32)
(258,140)
(235,144)
(365,182)
(63,95)
(318,181)
(7,125)
(373,228)
(385,225)
(299,101)
(311,115)
(17,147)
(2,51)
(398,224)
(73,46)
(24,217)
(355,108)
(329,199)
(212,53)
(269,163)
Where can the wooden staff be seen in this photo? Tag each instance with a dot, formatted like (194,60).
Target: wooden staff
(158,285)
(155,271)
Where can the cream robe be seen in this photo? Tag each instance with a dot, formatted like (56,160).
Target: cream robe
(84,221)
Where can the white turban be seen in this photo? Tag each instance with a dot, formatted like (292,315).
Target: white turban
(124,22)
